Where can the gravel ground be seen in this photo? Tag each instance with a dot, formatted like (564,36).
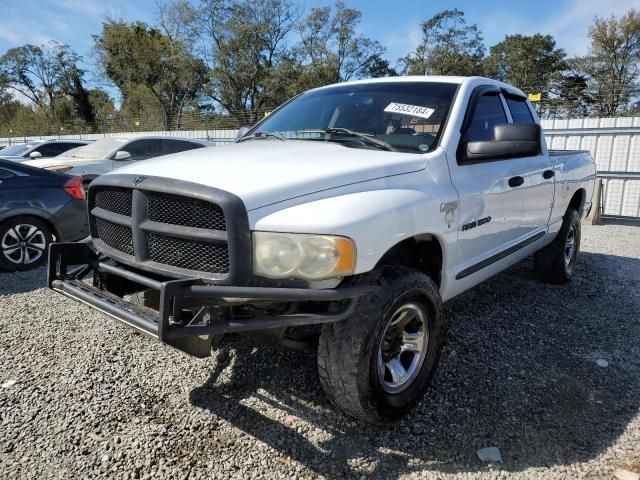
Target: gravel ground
(520,371)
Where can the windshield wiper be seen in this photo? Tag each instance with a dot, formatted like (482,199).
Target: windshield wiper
(368,137)
(263,135)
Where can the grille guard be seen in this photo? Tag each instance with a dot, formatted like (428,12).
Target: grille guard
(69,263)
(236,237)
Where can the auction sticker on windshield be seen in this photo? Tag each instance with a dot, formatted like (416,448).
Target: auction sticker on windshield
(413,110)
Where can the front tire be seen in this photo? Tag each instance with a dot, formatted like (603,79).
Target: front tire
(24,243)
(556,262)
(377,364)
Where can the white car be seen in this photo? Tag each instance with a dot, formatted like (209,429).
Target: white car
(357,208)
(36,149)
(110,153)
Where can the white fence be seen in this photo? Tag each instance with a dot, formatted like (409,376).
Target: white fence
(615,146)
(613,142)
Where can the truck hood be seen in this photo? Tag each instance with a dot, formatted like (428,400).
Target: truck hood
(266,171)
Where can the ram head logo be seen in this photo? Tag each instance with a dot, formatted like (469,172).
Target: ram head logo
(138,180)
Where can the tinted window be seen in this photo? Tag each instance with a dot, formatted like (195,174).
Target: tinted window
(175,146)
(54,149)
(519,110)
(488,113)
(143,149)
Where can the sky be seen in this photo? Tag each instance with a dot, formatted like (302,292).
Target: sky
(395,23)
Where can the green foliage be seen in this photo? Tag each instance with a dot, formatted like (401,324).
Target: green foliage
(224,63)
(612,65)
(530,62)
(449,46)
(135,55)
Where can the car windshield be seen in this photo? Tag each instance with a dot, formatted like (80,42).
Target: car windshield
(406,116)
(99,149)
(16,150)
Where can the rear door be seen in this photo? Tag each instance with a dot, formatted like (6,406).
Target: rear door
(537,191)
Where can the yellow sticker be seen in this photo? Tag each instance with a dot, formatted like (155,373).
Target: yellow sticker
(535,97)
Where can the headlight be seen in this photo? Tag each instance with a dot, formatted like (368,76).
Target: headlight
(313,257)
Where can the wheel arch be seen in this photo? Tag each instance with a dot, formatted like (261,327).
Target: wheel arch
(42,218)
(424,252)
(578,200)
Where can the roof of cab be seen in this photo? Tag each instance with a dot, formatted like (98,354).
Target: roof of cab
(471,81)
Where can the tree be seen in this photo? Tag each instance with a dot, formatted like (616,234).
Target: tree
(47,75)
(244,47)
(530,63)
(134,55)
(333,51)
(449,46)
(613,61)
(572,98)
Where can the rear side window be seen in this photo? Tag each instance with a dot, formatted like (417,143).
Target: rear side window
(519,110)
(489,112)
(175,146)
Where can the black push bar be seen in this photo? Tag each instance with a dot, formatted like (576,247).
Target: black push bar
(69,263)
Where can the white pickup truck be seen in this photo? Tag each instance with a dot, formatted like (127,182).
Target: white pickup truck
(344,218)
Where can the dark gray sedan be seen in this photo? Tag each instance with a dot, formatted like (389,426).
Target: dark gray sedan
(37,207)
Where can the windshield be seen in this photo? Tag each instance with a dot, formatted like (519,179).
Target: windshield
(408,116)
(17,150)
(98,150)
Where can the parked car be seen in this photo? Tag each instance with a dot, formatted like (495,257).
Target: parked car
(37,207)
(39,149)
(359,207)
(110,153)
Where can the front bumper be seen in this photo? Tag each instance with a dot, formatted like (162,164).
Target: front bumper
(69,263)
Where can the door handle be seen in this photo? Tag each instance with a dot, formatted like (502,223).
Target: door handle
(516,181)
(547,174)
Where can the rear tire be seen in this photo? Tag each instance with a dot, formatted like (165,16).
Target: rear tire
(377,364)
(24,243)
(556,262)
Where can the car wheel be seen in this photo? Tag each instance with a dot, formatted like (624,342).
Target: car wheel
(24,243)
(377,364)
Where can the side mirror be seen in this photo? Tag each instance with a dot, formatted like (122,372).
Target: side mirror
(242,131)
(510,140)
(122,155)
(35,155)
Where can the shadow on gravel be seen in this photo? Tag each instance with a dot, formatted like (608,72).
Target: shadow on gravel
(518,371)
(21,282)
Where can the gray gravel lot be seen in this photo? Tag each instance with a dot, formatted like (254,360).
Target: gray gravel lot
(519,372)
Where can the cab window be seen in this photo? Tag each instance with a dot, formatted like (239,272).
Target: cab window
(488,113)
(519,110)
